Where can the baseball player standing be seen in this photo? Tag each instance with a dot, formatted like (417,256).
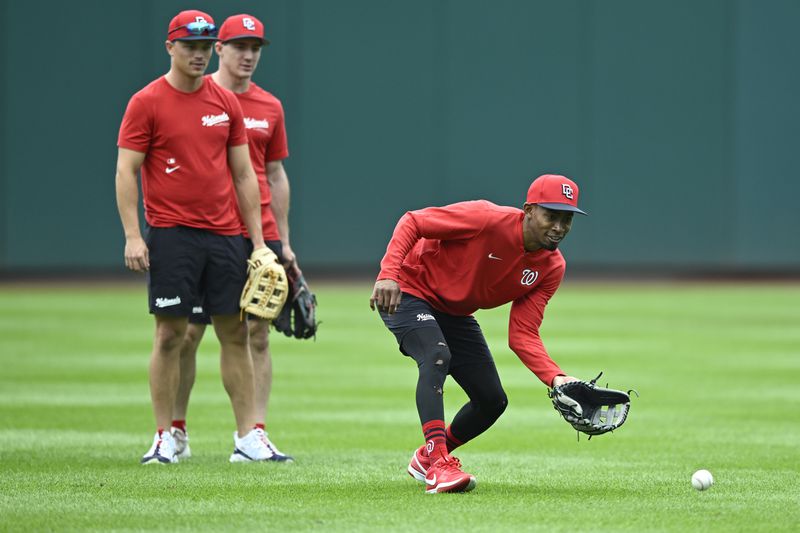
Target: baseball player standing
(441,265)
(241,39)
(187,137)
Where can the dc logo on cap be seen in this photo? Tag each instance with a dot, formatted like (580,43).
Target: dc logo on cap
(567,190)
(249,24)
(200,19)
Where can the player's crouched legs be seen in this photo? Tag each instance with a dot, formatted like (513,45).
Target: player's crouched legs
(487,401)
(428,348)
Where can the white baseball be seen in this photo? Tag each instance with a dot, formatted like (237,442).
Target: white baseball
(702,479)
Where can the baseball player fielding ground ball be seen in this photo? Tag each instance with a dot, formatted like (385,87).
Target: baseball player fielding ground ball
(441,265)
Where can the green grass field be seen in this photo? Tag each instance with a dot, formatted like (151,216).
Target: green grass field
(717,368)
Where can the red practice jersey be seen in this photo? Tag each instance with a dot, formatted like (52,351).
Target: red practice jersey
(266,135)
(186,180)
(469,256)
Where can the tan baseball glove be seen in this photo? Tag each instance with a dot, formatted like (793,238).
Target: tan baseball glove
(266,288)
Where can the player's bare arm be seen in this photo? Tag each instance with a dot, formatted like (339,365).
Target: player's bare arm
(279,187)
(129,162)
(247,193)
(385,296)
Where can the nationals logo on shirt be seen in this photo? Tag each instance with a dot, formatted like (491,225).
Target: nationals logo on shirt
(215,120)
(256,124)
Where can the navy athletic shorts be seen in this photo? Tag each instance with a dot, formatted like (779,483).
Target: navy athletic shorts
(188,265)
(462,334)
(201,316)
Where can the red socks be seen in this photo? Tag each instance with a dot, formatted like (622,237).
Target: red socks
(452,442)
(435,438)
(439,441)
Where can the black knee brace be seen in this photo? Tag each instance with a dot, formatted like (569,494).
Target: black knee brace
(428,348)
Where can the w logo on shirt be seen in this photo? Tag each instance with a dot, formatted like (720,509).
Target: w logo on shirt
(529,276)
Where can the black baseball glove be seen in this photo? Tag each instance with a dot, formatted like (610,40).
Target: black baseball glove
(298,317)
(591,409)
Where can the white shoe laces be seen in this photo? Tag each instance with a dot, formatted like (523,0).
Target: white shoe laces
(167,448)
(181,440)
(252,445)
(262,435)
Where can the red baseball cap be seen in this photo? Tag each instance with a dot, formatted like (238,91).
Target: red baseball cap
(242,27)
(554,192)
(192,25)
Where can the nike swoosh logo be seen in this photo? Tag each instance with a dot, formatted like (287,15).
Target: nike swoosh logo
(173,169)
(492,256)
(431,481)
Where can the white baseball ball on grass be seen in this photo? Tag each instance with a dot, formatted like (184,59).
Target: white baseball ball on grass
(702,479)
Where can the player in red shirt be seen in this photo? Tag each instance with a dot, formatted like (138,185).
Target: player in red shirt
(187,137)
(239,50)
(443,264)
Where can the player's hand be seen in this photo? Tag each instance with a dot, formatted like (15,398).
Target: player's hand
(385,296)
(289,259)
(137,256)
(560,380)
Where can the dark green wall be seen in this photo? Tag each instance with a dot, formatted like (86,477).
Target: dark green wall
(680,120)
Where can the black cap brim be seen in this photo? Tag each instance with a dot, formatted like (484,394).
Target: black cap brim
(563,207)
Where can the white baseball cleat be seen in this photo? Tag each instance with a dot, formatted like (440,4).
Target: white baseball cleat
(276,454)
(181,438)
(162,451)
(250,448)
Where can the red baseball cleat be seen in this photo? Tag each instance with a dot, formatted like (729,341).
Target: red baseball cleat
(419,465)
(445,475)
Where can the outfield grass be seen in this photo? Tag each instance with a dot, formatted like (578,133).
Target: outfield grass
(717,368)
